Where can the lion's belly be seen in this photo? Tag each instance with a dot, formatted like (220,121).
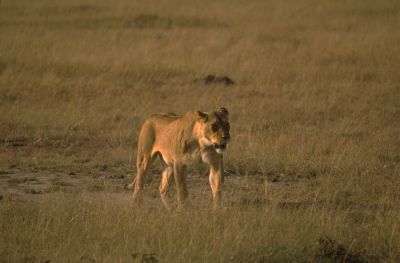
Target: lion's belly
(186,158)
(194,157)
(165,156)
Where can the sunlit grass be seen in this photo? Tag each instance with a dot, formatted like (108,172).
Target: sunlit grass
(315,109)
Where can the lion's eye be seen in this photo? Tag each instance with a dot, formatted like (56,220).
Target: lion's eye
(214,127)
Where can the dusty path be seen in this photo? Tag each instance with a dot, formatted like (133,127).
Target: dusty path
(24,184)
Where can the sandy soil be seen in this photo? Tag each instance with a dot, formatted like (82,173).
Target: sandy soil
(32,184)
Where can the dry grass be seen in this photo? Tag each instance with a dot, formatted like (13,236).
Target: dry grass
(110,230)
(315,109)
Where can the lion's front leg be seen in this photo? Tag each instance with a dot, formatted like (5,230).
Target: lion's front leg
(216,175)
(180,180)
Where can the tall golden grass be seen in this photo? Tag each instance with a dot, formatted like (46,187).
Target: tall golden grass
(316,107)
(69,229)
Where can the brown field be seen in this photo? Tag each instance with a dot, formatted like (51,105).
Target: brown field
(313,167)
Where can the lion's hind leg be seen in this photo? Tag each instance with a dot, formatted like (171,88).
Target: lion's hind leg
(144,157)
(164,186)
(144,161)
(142,167)
(180,181)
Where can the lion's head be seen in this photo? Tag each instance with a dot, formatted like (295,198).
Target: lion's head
(214,129)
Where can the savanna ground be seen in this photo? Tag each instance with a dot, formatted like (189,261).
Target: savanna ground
(312,167)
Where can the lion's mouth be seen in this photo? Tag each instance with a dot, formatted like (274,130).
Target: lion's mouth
(221,146)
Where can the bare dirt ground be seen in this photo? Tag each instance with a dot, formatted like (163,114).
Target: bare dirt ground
(34,184)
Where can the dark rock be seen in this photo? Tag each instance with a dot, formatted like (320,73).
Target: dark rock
(87,259)
(213,79)
(144,258)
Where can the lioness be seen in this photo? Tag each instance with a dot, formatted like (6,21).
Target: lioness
(177,140)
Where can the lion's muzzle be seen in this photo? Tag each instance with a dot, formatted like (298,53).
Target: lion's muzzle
(220,146)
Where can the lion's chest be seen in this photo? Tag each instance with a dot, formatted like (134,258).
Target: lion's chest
(193,155)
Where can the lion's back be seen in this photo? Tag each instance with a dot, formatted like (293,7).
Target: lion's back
(158,124)
(166,134)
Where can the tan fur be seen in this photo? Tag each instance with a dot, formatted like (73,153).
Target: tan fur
(177,140)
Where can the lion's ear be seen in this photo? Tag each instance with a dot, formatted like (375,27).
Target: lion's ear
(201,116)
(224,112)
